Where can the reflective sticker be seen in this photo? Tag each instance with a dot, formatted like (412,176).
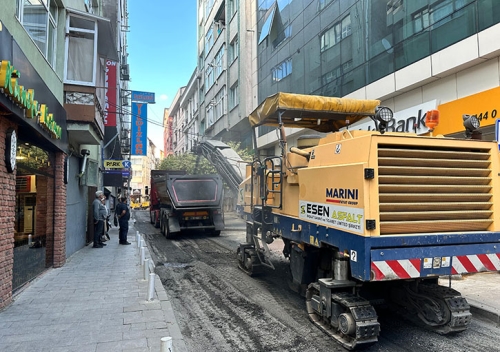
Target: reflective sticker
(354,256)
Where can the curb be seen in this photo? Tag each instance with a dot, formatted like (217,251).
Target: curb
(162,296)
(484,313)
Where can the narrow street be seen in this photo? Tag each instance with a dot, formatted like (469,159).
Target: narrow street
(219,308)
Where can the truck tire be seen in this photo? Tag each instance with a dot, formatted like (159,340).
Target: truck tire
(215,233)
(169,235)
(162,226)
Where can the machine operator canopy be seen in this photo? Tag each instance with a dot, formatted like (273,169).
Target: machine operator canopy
(322,114)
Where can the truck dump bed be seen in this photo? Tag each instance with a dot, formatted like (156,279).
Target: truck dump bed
(194,191)
(189,191)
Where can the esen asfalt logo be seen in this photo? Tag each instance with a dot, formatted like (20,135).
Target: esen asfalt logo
(336,216)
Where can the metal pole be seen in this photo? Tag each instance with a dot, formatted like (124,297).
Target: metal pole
(146,268)
(166,344)
(151,287)
(143,254)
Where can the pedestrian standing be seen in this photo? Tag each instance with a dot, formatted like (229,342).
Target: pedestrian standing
(122,212)
(98,220)
(106,211)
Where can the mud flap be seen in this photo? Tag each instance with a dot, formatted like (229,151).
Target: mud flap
(173,225)
(218,222)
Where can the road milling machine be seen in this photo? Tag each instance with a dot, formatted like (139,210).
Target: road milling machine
(371,217)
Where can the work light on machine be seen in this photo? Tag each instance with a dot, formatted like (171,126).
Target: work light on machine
(382,115)
(471,124)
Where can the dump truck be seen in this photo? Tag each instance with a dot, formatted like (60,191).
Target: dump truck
(371,218)
(179,202)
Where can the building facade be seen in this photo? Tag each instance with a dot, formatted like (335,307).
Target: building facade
(227,69)
(53,72)
(409,54)
(141,168)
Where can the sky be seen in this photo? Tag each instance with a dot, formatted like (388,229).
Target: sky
(162,51)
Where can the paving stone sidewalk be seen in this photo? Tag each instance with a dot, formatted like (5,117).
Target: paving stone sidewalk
(97,302)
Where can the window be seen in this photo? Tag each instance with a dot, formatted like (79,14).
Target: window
(208,7)
(210,114)
(220,103)
(81,47)
(219,61)
(323,3)
(201,94)
(209,76)
(39,19)
(266,28)
(233,7)
(234,98)
(439,12)
(233,50)
(282,36)
(282,70)
(209,40)
(335,34)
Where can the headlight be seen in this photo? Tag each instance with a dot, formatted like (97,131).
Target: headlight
(383,114)
(471,122)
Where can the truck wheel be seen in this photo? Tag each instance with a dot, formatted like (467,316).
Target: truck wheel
(169,235)
(162,227)
(215,233)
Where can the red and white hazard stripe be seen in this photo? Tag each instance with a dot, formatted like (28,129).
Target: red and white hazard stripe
(475,263)
(395,269)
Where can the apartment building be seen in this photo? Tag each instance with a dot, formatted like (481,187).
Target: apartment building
(142,165)
(53,104)
(226,72)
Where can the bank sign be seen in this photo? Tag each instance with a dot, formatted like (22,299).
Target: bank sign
(336,216)
(409,120)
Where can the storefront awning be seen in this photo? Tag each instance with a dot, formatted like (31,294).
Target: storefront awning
(106,43)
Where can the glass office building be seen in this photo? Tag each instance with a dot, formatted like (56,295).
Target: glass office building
(338,46)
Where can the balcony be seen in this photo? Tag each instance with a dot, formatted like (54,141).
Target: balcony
(84,114)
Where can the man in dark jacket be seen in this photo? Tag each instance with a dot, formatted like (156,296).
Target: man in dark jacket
(123,214)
